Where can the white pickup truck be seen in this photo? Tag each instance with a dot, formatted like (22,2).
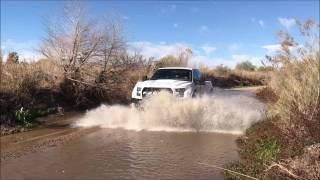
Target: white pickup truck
(180,81)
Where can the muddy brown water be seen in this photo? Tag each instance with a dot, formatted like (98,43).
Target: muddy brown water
(60,152)
(116,153)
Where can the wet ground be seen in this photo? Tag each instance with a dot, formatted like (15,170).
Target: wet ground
(58,151)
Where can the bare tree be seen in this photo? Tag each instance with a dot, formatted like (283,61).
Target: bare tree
(92,52)
(112,44)
(184,56)
(73,40)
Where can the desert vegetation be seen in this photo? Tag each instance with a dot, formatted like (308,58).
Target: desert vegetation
(286,144)
(84,64)
(87,62)
(225,77)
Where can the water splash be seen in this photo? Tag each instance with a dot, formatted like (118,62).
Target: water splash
(224,112)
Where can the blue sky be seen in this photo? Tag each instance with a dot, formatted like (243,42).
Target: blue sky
(217,31)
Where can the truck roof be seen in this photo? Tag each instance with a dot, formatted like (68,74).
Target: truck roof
(188,68)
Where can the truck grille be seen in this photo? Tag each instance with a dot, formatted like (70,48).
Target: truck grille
(150,91)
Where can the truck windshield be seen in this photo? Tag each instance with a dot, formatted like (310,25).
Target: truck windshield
(177,74)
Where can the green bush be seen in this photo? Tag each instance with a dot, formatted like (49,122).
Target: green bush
(25,117)
(267,150)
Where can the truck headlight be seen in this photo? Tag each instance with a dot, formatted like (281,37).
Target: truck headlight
(180,91)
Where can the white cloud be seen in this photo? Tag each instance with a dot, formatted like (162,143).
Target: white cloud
(287,22)
(208,49)
(199,57)
(230,62)
(272,47)
(261,23)
(157,50)
(237,58)
(26,50)
(197,61)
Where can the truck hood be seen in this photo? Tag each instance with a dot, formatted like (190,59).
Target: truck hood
(165,83)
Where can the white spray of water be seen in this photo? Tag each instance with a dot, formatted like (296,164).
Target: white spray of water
(218,113)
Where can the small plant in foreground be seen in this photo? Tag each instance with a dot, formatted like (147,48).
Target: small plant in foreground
(267,150)
(24,116)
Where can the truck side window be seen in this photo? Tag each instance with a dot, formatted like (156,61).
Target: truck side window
(199,74)
(196,75)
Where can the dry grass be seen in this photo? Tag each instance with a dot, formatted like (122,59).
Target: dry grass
(92,83)
(293,96)
(43,85)
(222,71)
(223,76)
(298,86)
(26,78)
(267,95)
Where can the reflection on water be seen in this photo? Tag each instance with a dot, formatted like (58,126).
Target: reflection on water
(116,153)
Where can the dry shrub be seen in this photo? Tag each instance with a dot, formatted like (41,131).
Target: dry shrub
(119,82)
(181,59)
(307,165)
(263,77)
(298,86)
(30,86)
(267,95)
(25,79)
(246,66)
(297,83)
(222,70)
(223,76)
(294,109)
(93,85)
(171,61)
